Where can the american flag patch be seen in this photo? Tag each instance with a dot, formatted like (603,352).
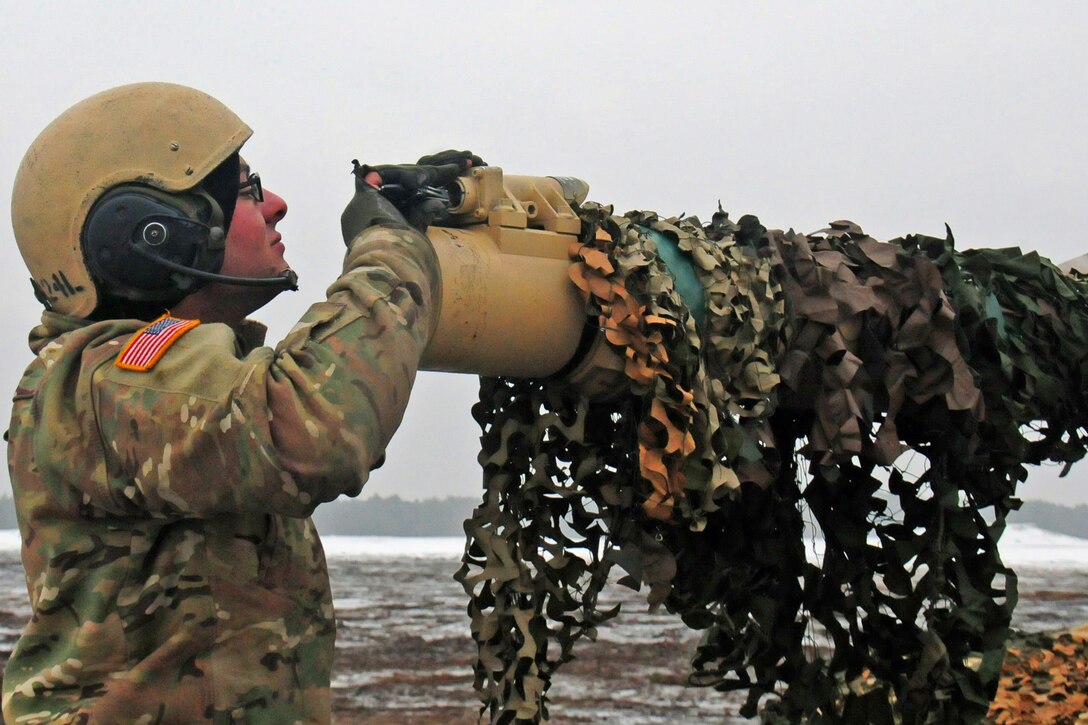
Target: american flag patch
(144,350)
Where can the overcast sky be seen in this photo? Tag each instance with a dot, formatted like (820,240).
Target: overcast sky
(899,116)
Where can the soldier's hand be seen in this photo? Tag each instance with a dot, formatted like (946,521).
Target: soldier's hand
(418,191)
(464,159)
(412,177)
(424,209)
(368,207)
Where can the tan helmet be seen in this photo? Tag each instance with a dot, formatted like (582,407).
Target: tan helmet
(158,135)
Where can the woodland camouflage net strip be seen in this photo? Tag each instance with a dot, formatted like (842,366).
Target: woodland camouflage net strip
(825,365)
(1044,679)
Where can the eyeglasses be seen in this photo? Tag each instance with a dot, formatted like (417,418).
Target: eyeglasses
(252,187)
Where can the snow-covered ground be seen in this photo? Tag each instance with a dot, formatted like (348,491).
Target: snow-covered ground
(1022,545)
(404,653)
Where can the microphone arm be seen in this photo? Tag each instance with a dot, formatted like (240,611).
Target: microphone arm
(287,279)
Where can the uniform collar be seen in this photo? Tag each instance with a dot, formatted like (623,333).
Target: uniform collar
(54,324)
(250,333)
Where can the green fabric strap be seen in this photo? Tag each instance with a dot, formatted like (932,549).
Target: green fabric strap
(683,273)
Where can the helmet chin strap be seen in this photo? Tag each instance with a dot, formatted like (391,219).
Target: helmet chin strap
(288,279)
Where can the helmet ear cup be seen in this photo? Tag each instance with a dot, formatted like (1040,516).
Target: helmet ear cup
(132,227)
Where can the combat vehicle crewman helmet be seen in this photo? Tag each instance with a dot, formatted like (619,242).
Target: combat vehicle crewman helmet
(174,148)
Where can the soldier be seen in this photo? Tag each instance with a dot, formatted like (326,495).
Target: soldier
(165,463)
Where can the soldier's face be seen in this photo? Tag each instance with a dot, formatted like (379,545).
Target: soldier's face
(254,247)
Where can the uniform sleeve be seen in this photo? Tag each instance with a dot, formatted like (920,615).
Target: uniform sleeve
(278,431)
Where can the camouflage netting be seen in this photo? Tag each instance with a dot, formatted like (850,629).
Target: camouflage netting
(1044,680)
(872,404)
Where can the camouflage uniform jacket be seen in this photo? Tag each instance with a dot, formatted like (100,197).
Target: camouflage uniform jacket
(173,571)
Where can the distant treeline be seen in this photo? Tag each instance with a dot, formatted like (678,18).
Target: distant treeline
(1069,520)
(7,513)
(377,516)
(394,516)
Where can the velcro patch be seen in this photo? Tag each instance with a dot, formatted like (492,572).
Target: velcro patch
(148,345)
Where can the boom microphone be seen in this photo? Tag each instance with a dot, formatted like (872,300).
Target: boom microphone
(287,279)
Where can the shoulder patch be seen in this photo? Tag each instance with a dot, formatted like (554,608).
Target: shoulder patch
(148,345)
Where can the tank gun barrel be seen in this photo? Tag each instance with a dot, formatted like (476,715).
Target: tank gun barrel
(508,305)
